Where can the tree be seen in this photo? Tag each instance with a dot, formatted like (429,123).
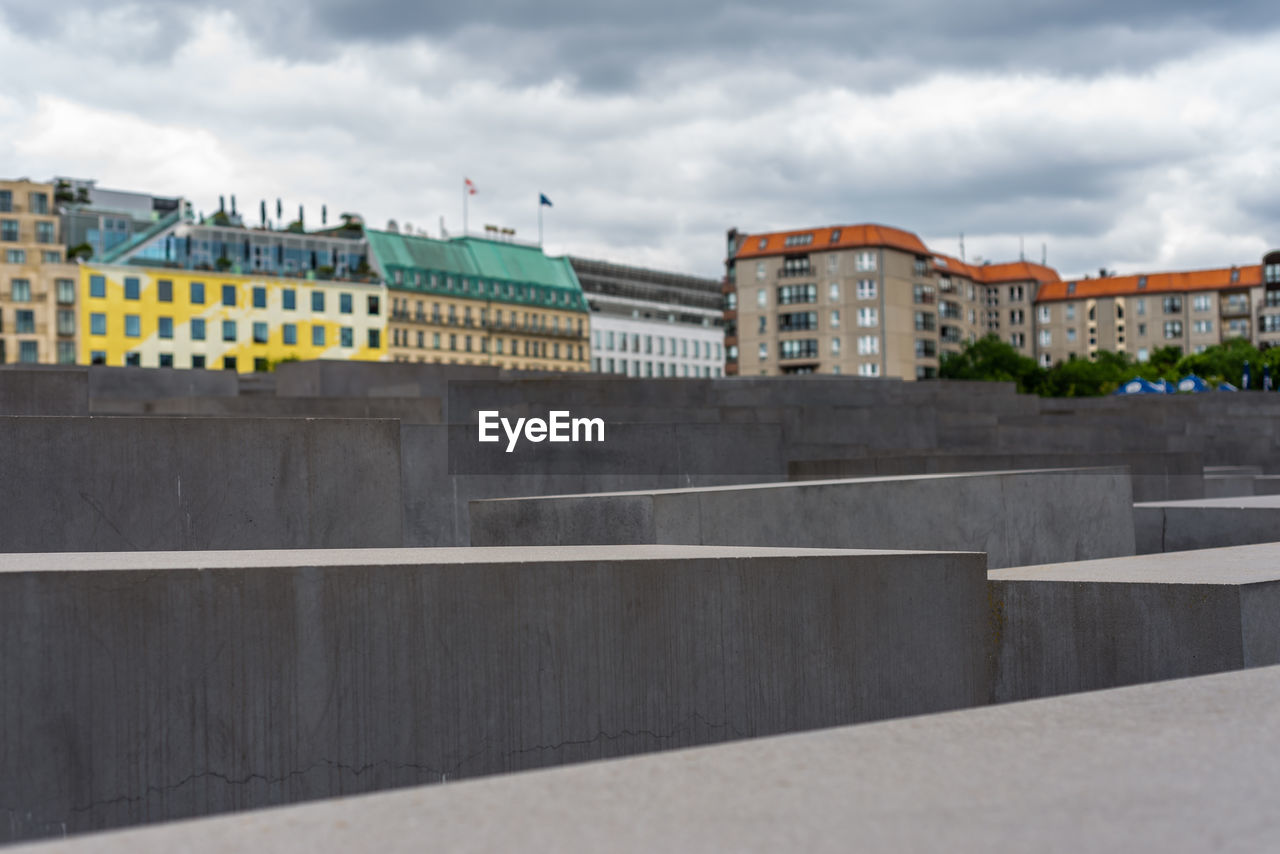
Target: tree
(990,358)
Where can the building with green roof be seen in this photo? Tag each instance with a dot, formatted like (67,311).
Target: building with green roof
(472,300)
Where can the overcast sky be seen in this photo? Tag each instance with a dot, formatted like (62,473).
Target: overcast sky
(1141,138)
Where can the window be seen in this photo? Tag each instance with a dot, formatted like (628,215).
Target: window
(835,346)
(1071,336)
(132,326)
(373,305)
(925,321)
(835,318)
(197,329)
(802,320)
(15,256)
(868,345)
(1200,302)
(731,300)
(1018,339)
(229,363)
(290,333)
(1172,305)
(869,369)
(865,260)
(798,240)
(1173,329)
(260,333)
(29,352)
(51,256)
(344,303)
(9,230)
(6,201)
(317,335)
(1071,310)
(133,360)
(164,290)
(764,351)
(1203,327)
(926,348)
(197,293)
(868,317)
(39,202)
(1044,313)
(923,295)
(799,348)
(866,289)
(1016,316)
(259,297)
(347,336)
(44,232)
(132,287)
(164,327)
(759,268)
(833,291)
(66,352)
(762,298)
(793,294)
(764,323)
(1046,338)
(229,295)
(1015,293)
(1142,329)
(97,324)
(375,339)
(20,290)
(317,300)
(166,360)
(229,330)
(289,299)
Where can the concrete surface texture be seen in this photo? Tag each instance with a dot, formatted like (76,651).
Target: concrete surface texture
(106,484)
(155,686)
(1182,766)
(1105,623)
(1171,526)
(44,391)
(1017,518)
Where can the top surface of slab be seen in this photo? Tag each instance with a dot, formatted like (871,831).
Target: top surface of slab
(1241,501)
(266,558)
(809,484)
(1234,565)
(1173,766)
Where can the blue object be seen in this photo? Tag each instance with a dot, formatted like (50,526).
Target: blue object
(1244,380)
(543,200)
(1225,386)
(1192,383)
(1138,385)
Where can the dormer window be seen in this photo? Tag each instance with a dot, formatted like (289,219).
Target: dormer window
(1071,288)
(1142,282)
(1235,275)
(798,240)
(835,235)
(764,241)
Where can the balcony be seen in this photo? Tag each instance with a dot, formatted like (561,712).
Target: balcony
(795,272)
(1235,307)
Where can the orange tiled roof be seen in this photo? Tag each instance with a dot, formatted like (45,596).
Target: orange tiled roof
(953,265)
(850,236)
(1018,271)
(1156,283)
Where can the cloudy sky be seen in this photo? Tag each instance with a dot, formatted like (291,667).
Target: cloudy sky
(1140,137)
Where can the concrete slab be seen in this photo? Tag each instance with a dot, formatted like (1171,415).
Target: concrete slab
(1017,518)
(44,390)
(1105,623)
(106,484)
(141,687)
(1171,526)
(1182,766)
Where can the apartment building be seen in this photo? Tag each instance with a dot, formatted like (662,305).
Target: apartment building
(1140,313)
(474,301)
(870,300)
(214,294)
(38,322)
(652,323)
(96,221)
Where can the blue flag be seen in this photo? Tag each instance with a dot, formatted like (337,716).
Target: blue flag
(543,200)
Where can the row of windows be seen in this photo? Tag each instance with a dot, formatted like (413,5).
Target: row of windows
(19,256)
(791,294)
(531,320)
(477,286)
(20,290)
(166,360)
(463,343)
(658,344)
(37,203)
(800,265)
(257,297)
(633,368)
(198,331)
(9,231)
(29,352)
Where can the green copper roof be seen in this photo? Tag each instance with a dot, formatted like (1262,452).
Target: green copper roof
(475,267)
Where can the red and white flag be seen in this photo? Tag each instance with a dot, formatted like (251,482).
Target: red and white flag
(471,188)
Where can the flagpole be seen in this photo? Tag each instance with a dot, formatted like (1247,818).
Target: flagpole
(465,192)
(539,220)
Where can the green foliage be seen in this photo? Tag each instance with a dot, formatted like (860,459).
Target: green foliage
(992,359)
(80,250)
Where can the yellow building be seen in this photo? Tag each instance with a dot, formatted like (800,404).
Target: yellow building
(473,301)
(37,286)
(162,317)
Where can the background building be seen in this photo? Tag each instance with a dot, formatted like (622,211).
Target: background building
(475,301)
(652,323)
(97,221)
(865,299)
(38,320)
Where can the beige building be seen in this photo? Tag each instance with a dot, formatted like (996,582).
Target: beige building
(1141,313)
(868,300)
(38,321)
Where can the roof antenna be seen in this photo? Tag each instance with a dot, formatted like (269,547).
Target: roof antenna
(962,246)
(1022,256)
(1044,254)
